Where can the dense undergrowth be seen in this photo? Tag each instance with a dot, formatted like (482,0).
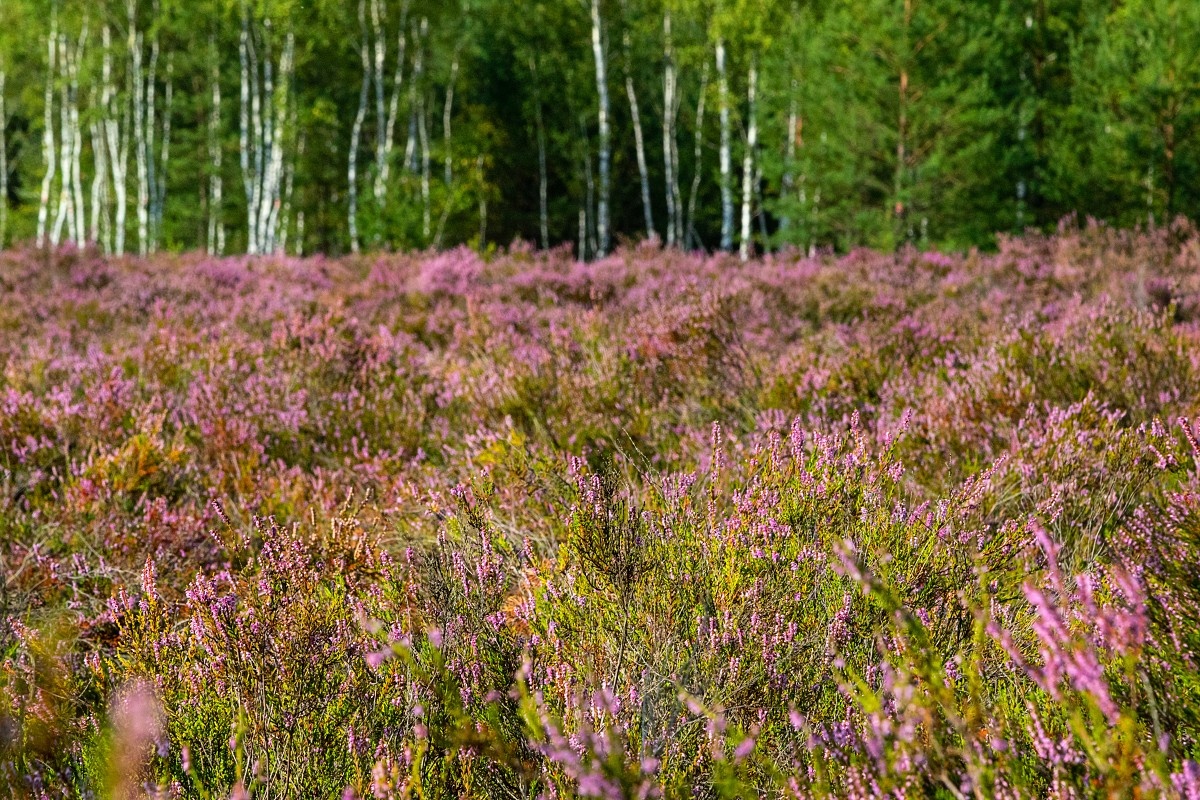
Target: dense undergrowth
(660,525)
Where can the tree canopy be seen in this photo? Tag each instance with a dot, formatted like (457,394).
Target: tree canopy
(338,125)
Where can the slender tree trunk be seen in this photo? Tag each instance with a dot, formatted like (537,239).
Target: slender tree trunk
(726,153)
(116,133)
(636,117)
(675,228)
(356,128)
(581,247)
(282,114)
(389,137)
(264,118)
(73,60)
(760,206)
(289,180)
(267,109)
(543,204)
(139,130)
(160,187)
(426,163)
(483,202)
(245,140)
(3,164)
(150,120)
(748,160)
(590,187)
(411,155)
(216,222)
(378,62)
(899,189)
(100,221)
(605,144)
(71,210)
(49,157)
(788,182)
(447,112)
(693,237)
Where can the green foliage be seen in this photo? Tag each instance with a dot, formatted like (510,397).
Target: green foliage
(894,122)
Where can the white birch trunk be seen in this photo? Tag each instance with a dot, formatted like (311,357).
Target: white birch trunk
(543,204)
(726,155)
(139,131)
(71,210)
(693,238)
(150,120)
(636,118)
(447,113)
(589,198)
(116,133)
(216,223)
(426,210)
(263,119)
(245,155)
(285,222)
(100,218)
(670,140)
(748,160)
(356,128)
(49,157)
(389,138)
(378,61)
(3,163)
(281,107)
(411,153)
(5,168)
(80,232)
(605,143)
(788,182)
(160,185)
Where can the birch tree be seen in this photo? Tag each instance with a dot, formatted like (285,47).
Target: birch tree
(356,128)
(605,134)
(543,178)
(216,217)
(71,215)
(692,238)
(670,137)
(115,124)
(49,158)
(158,187)
(636,118)
(726,153)
(748,159)
(3,159)
(265,98)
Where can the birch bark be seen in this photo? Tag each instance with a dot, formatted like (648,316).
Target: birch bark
(605,134)
(748,160)
(48,144)
(636,118)
(3,163)
(693,238)
(116,133)
(543,205)
(670,138)
(726,156)
(216,223)
(356,129)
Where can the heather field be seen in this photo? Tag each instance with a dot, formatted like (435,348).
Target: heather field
(658,525)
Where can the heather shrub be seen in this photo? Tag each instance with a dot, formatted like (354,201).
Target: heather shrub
(909,525)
